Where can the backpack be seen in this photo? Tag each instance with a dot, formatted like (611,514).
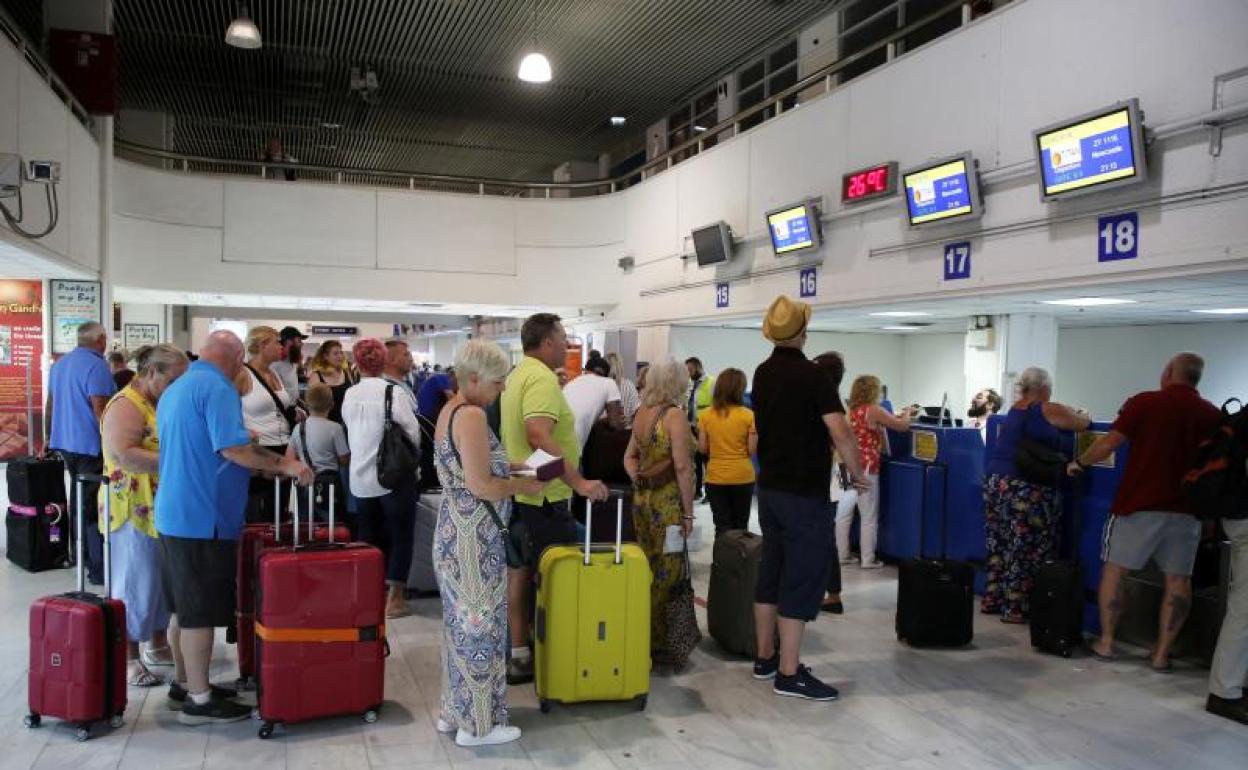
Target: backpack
(1217,485)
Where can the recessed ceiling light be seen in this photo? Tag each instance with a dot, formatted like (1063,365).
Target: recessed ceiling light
(699,129)
(618,120)
(1089,301)
(901,328)
(1224,311)
(331,126)
(243,32)
(535,68)
(900,314)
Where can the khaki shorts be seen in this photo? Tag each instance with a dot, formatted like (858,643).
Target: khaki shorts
(1169,539)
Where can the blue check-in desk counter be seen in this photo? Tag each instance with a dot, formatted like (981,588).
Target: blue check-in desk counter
(931,498)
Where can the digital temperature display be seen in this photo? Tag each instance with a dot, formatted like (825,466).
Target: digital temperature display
(869,183)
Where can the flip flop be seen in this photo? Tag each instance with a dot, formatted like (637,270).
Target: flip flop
(1168,668)
(1103,658)
(144,678)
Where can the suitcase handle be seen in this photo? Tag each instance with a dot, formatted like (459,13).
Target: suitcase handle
(81,563)
(311,513)
(619,528)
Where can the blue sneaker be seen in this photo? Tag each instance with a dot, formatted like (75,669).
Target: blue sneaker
(766,669)
(803,685)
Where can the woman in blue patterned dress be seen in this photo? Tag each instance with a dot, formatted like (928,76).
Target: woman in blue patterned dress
(468,552)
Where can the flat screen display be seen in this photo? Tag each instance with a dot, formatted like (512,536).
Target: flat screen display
(942,190)
(712,244)
(793,228)
(1097,150)
(869,183)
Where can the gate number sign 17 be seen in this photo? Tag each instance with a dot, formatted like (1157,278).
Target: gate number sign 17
(957,261)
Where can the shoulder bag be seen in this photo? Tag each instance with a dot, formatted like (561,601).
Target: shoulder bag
(1036,461)
(397,457)
(287,412)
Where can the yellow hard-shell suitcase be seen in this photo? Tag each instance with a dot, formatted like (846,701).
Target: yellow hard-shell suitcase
(593,622)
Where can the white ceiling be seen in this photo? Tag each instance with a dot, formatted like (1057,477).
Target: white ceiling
(1156,302)
(22,258)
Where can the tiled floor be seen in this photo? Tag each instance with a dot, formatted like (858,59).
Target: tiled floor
(996,705)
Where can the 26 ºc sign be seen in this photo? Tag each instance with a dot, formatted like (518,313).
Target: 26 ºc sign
(721,295)
(957,261)
(807,282)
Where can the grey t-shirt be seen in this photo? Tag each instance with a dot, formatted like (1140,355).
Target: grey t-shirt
(327,441)
(289,375)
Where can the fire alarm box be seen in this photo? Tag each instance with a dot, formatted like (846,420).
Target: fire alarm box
(87,63)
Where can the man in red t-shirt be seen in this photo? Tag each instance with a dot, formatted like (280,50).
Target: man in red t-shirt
(1150,517)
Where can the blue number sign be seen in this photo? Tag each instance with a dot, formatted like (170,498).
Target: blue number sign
(1118,237)
(957,261)
(807,283)
(721,295)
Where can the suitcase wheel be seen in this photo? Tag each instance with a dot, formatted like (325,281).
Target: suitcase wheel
(544,706)
(370,716)
(32,720)
(266,731)
(82,733)
(117,721)
(641,702)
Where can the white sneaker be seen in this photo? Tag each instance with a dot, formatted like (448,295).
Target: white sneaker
(876,564)
(848,560)
(445,727)
(500,734)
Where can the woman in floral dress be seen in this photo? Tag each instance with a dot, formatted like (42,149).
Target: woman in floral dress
(659,460)
(469,557)
(131,461)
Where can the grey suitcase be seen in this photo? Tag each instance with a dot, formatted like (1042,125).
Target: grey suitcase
(422,579)
(730,600)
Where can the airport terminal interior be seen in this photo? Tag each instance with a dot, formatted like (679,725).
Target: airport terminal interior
(997,213)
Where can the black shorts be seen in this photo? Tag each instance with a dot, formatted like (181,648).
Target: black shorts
(797,556)
(535,528)
(200,580)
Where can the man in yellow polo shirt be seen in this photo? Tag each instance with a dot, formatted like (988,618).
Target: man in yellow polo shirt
(535,415)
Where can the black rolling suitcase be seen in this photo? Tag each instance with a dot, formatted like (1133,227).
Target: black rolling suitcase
(36,481)
(730,598)
(935,599)
(1055,607)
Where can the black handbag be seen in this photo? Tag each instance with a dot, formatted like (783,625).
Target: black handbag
(1038,462)
(515,556)
(398,458)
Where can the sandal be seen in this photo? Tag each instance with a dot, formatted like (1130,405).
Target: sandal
(141,677)
(1110,658)
(150,657)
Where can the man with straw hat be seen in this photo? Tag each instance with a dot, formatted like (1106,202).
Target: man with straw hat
(799,417)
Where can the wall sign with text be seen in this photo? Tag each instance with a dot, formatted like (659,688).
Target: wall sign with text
(135,336)
(21,376)
(957,261)
(74,303)
(808,282)
(1117,237)
(721,295)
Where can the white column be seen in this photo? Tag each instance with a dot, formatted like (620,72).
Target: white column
(1030,340)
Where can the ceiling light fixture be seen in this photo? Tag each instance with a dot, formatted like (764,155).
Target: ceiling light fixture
(243,32)
(900,314)
(618,120)
(699,129)
(1224,311)
(331,126)
(901,328)
(534,67)
(1089,301)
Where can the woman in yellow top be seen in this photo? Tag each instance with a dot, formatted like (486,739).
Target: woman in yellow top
(131,462)
(726,436)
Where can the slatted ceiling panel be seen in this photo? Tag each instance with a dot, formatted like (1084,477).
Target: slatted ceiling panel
(450,101)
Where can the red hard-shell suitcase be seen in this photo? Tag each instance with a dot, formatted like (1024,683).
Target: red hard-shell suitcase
(78,648)
(320,632)
(256,538)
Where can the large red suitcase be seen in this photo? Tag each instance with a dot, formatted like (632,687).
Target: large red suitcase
(255,539)
(320,632)
(78,647)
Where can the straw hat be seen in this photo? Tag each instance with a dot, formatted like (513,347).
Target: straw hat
(785,319)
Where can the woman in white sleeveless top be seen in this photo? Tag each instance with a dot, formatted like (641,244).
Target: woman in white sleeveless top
(267,412)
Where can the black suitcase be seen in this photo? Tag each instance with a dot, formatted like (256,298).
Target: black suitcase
(36,482)
(38,538)
(935,603)
(730,599)
(935,598)
(1056,608)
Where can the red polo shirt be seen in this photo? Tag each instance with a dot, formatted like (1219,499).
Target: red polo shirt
(1164,428)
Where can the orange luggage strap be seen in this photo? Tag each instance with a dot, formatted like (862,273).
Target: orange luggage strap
(363,634)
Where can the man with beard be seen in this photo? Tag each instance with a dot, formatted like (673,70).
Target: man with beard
(986,403)
(292,358)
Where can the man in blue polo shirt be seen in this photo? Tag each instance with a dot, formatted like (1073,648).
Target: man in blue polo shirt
(205,458)
(79,387)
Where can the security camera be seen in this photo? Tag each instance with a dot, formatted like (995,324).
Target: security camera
(43,171)
(10,174)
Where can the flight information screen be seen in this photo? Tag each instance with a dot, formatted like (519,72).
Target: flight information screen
(1088,153)
(939,192)
(790,229)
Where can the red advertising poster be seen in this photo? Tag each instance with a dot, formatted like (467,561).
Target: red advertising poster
(21,380)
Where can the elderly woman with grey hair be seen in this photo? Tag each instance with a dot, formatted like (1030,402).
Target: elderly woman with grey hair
(469,556)
(1020,516)
(659,460)
(131,449)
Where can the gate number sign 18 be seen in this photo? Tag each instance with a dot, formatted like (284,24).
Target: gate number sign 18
(1118,237)
(957,261)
